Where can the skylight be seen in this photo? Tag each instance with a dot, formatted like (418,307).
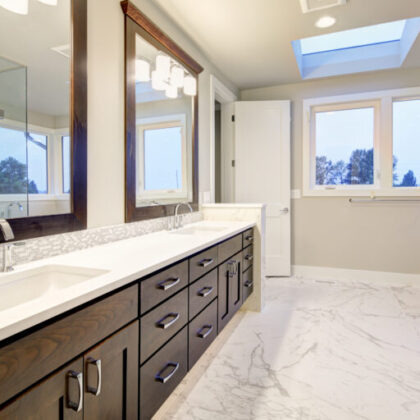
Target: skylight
(368,35)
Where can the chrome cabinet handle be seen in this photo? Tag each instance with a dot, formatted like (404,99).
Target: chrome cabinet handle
(76,406)
(285,210)
(164,379)
(209,329)
(248,284)
(249,257)
(206,262)
(232,264)
(205,291)
(167,284)
(249,237)
(163,325)
(95,391)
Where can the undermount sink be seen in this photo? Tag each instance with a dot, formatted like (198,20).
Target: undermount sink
(199,230)
(23,286)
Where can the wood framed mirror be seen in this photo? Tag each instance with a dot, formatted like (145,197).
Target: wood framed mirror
(161,112)
(43,116)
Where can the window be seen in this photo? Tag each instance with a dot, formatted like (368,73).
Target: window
(65,163)
(406,143)
(37,163)
(362,144)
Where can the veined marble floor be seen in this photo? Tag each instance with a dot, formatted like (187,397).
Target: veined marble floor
(318,351)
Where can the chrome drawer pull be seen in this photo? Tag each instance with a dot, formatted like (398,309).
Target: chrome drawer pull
(164,379)
(95,391)
(209,329)
(162,324)
(249,284)
(167,284)
(79,377)
(249,257)
(205,291)
(206,262)
(249,238)
(232,268)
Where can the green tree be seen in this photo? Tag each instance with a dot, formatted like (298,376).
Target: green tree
(360,167)
(409,180)
(13,178)
(323,170)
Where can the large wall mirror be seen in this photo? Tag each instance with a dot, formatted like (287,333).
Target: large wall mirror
(161,121)
(43,115)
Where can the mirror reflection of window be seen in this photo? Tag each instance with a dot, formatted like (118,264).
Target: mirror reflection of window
(35,57)
(165,92)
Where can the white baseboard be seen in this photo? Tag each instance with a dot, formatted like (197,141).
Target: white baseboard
(343,274)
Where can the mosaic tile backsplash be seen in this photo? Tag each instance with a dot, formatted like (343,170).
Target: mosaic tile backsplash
(50,246)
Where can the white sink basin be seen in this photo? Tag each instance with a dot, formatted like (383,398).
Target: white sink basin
(199,230)
(23,286)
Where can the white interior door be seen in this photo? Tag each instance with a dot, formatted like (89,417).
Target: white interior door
(262,173)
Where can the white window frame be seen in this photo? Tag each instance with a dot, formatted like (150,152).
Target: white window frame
(166,121)
(382,101)
(54,160)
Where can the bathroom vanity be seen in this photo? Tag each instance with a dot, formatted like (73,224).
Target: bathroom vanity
(119,349)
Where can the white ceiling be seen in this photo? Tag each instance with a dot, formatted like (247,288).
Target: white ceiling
(250,40)
(28,40)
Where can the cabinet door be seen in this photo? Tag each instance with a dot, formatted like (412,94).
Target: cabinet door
(223,292)
(235,297)
(58,397)
(111,377)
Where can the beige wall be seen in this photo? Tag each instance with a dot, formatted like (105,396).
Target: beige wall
(330,232)
(106,106)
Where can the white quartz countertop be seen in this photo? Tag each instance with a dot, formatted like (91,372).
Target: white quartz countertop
(123,262)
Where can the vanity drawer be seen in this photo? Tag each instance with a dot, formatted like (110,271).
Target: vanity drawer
(203,263)
(247,238)
(229,248)
(30,358)
(247,257)
(162,373)
(202,332)
(247,284)
(159,325)
(162,285)
(202,292)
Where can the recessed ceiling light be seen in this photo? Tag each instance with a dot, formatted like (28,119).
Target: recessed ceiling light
(325,22)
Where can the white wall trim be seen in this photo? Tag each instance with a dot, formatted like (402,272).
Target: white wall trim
(346,275)
(221,93)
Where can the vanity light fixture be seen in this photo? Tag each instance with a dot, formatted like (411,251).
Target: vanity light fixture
(177,76)
(171,91)
(49,2)
(17,6)
(325,22)
(157,82)
(142,70)
(163,66)
(190,86)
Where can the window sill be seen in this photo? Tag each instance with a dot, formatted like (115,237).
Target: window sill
(394,192)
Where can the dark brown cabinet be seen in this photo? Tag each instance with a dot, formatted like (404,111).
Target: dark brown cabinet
(229,290)
(58,397)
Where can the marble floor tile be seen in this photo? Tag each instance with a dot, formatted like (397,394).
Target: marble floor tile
(318,351)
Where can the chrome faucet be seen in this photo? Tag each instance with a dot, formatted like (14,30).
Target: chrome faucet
(7,247)
(178,218)
(14,203)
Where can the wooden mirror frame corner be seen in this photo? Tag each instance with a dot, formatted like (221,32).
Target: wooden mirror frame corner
(138,23)
(37,226)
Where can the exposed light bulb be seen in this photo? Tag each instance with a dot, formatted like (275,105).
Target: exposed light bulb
(16,6)
(157,82)
(142,70)
(177,76)
(163,66)
(171,92)
(190,86)
(325,22)
(49,2)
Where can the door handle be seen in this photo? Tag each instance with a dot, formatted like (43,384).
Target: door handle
(209,329)
(205,291)
(167,284)
(285,210)
(163,325)
(76,406)
(97,363)
(164,379)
